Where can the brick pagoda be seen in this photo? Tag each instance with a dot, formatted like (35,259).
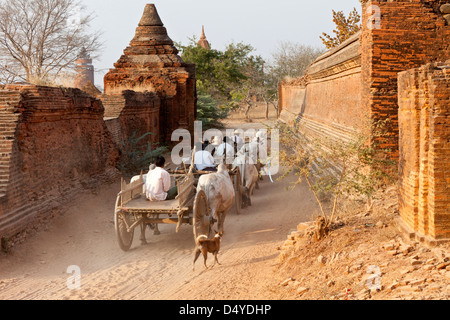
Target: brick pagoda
(151,63)
(203,42)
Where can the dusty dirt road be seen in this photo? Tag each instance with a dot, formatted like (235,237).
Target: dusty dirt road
(162,270)
(83,236)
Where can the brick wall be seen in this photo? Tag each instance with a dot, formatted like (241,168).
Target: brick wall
(54,142)
(291,101)
(424,127)
(358,79)
(327,100)
(137,114)
(412,33)
(114,127)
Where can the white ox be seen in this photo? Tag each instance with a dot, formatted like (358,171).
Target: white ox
(219,191)
(250,174)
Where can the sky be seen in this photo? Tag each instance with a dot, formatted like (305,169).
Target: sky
(260,23)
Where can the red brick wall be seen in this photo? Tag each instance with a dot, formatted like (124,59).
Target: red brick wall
(336,101)
(424,123)
(412,33)
(114,127)
(177,94)
(328,99)
(59,142)
(136,112)
(291,101)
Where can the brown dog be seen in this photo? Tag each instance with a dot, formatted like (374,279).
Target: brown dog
(205,245)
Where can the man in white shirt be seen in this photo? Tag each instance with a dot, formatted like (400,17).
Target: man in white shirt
(225,149)
(204,161)
(158,183)
(237,139)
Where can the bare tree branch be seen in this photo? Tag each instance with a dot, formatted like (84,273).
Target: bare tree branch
(290,60)
(40,39)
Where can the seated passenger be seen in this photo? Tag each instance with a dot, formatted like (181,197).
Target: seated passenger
(203,160)
(236,138)
(158,183)
(225,149)
(237,141)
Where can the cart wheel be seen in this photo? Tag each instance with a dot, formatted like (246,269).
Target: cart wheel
(237,191)
(201,219)
(125,238)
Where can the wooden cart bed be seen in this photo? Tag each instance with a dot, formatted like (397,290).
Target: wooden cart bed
(145,206)
(132,199)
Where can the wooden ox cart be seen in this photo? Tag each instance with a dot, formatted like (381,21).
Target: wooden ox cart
(133,210)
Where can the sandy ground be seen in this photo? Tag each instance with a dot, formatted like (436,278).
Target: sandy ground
(83,236)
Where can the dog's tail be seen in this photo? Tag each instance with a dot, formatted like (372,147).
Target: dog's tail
(200,239)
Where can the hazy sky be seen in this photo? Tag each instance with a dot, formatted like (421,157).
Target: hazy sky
(261,23)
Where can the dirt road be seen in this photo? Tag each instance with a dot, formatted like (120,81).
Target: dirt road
(83,236)
(162,270)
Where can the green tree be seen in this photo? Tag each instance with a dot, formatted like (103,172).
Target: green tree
(218,72)
(229,78)
(209,112)
(253,89)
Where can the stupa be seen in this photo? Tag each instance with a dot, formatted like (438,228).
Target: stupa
(151,63)
(203,42)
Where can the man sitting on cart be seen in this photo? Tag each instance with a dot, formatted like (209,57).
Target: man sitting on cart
(158,184)
(203,160)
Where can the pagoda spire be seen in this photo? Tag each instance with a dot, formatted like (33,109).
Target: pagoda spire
(150,18)
(203,41)
(203,36)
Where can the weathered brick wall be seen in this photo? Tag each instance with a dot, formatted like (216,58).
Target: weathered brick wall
(53,141)
(412,33)
(137,114)
(424,123)
(291,101)
(115,128)
(327,100)
(337,101)
(358,79)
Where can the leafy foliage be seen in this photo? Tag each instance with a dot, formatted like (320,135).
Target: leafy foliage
(218,72)
(229,77)
(209,113)
(137,156)
(345,28)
